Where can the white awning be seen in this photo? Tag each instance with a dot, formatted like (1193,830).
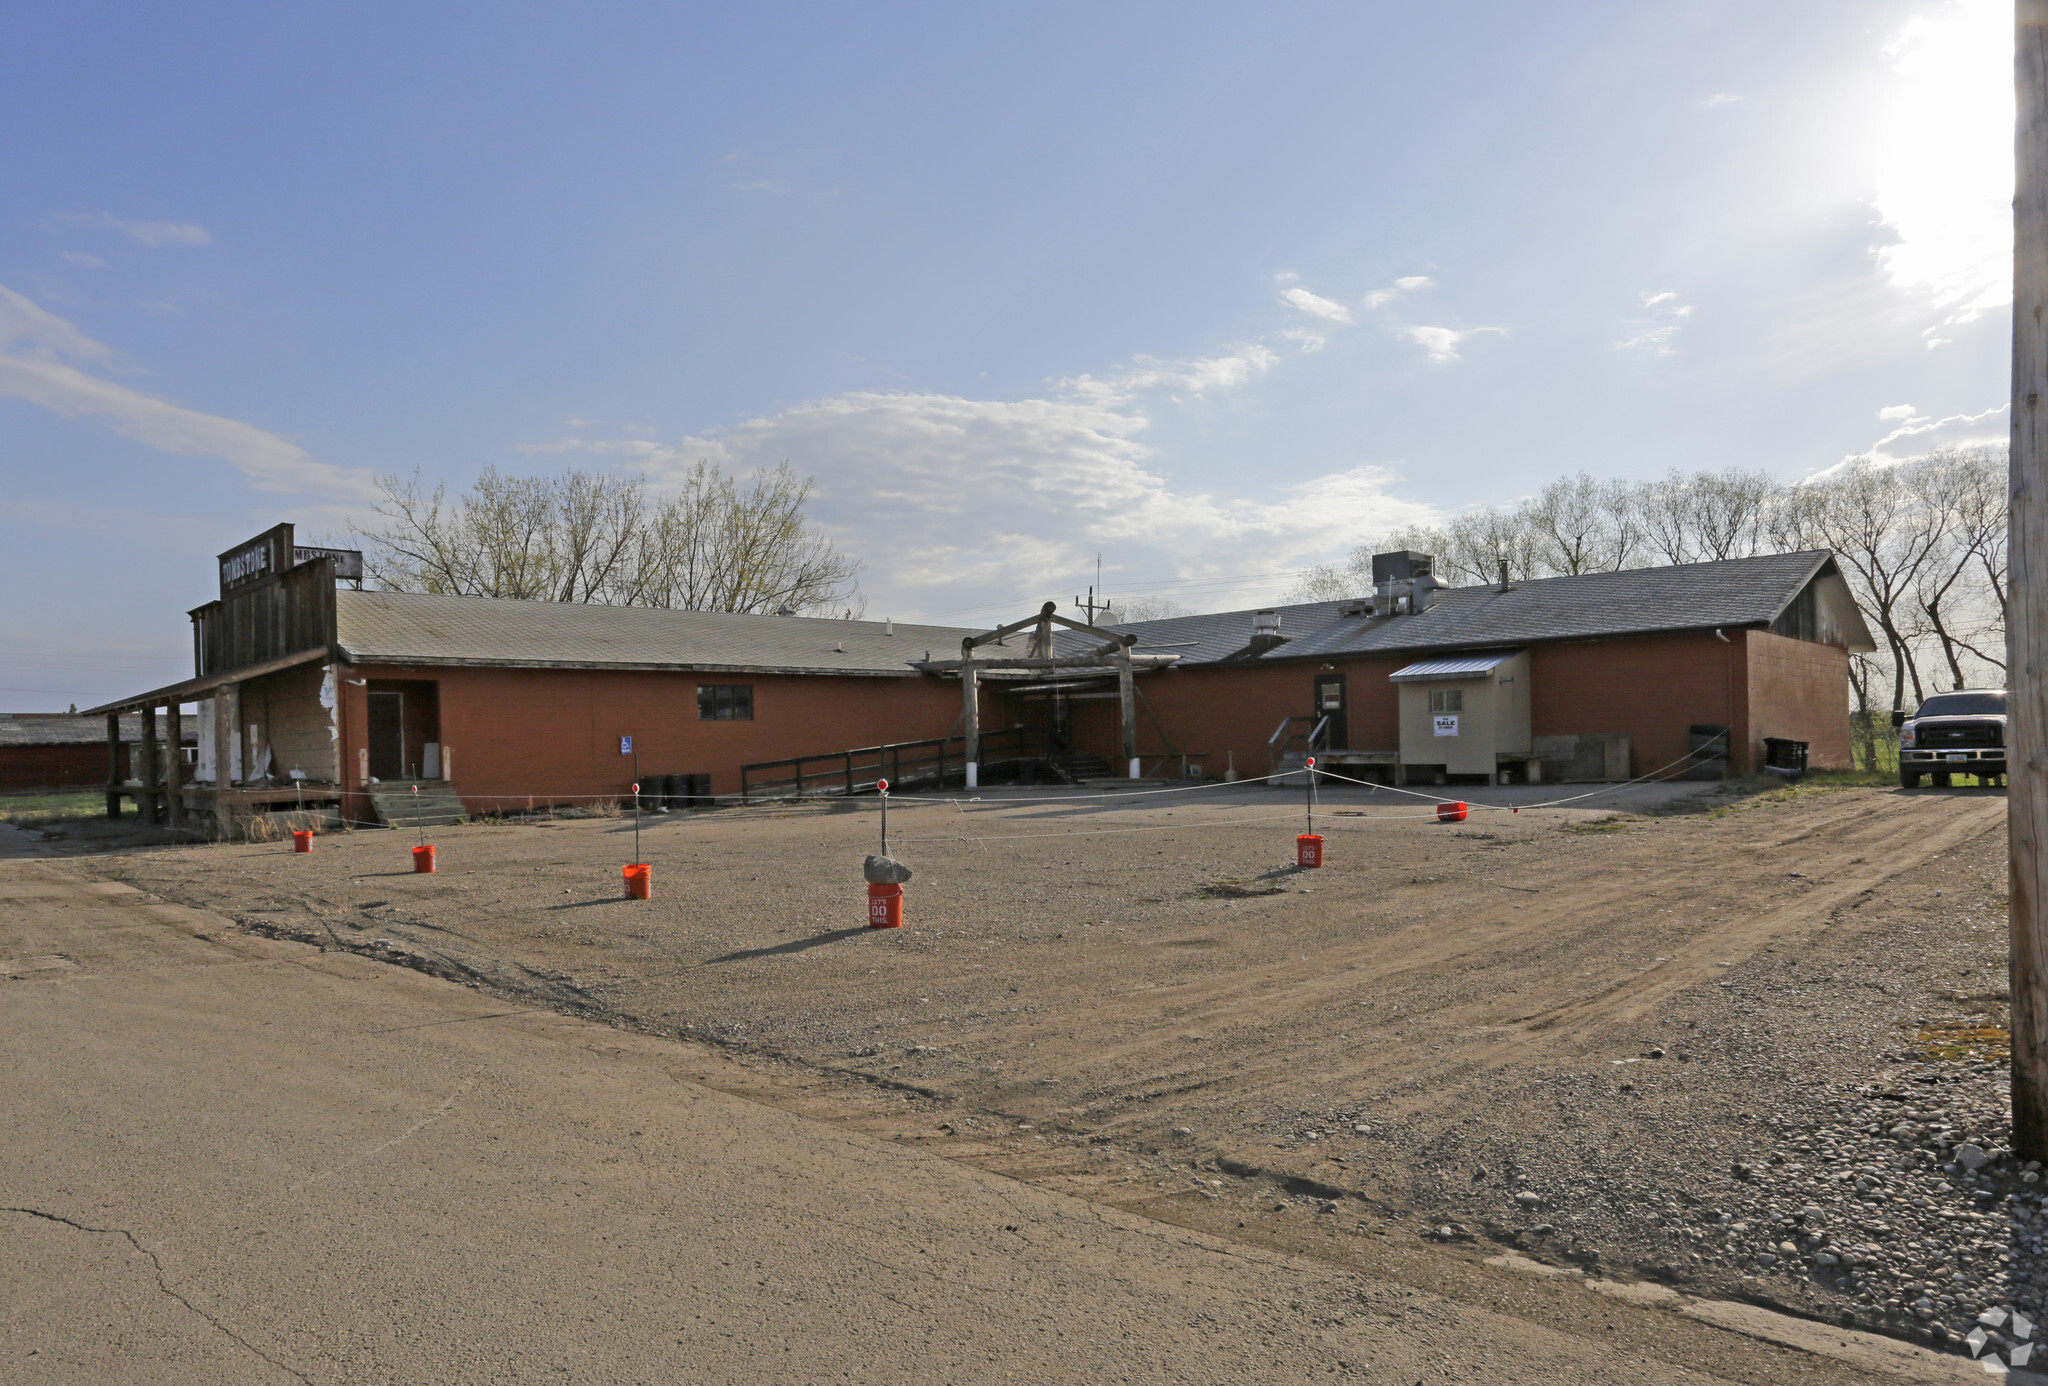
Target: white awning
(1471,666)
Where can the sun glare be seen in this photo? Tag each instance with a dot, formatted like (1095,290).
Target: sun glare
(1945,167)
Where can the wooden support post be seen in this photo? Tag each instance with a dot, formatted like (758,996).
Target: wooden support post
(2027,628)
(970,691)
(223,757)
(114,775)
(152,807)
(174,764)
(1127,697)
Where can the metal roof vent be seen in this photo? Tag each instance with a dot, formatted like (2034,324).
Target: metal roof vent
(1266,631)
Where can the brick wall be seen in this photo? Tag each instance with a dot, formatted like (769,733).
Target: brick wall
(1652,689)
(541,732)
(1225,715)
(1800,690)
(56,767)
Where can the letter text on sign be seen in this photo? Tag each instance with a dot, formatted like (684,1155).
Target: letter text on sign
(1446,726)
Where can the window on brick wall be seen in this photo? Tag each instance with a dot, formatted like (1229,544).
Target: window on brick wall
(725,702)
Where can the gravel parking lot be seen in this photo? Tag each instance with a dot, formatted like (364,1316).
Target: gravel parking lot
(1750,1046)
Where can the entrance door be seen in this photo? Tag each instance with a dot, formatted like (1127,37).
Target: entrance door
(1330,704)
(387,736)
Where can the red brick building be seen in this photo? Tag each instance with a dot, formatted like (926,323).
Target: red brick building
(65,750)
(310,689)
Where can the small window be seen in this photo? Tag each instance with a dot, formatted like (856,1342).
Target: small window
(725,702)
(1446,700)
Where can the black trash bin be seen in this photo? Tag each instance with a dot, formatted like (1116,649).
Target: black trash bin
(1783,756)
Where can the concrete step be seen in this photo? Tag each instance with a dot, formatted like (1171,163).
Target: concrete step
(437,805)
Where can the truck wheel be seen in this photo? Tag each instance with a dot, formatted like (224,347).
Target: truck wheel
(1909,779)
(1940,779)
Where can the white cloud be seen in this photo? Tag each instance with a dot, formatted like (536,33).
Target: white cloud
(1302,338)
(1945,175)
(1316,305)
(23,321)
(1918,435)
(79,257)
(1721,98)
(150,233)
(1658,323)
(1441,343)
(954,500)
(32,369)
(1201,376)
(1407,284)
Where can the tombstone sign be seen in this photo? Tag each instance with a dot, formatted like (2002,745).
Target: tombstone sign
(348,563)
(1446,725)
(258,560)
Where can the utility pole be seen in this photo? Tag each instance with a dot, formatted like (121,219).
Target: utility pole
(2027,627)
(1091,606)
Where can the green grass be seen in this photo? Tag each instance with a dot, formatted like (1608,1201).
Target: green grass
(27,810)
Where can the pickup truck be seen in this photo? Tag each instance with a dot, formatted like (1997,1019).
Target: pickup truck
(1959,733)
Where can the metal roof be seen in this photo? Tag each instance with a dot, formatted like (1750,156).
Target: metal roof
(76,729)
(1475,666)
(428,628)
(1733,593)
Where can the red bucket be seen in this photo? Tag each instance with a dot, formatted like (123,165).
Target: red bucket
(423,859)
(1450,813)
(302,840)
(1308,850)
(639,881)
(885,906)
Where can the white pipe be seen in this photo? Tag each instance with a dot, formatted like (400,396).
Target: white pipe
(973,775)
(1134,767)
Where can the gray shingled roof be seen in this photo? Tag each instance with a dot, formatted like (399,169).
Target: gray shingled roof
(76,729)
(1734,593)
(422,628)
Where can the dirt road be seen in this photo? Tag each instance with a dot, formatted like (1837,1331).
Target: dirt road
(225,1158)
(1142,1007)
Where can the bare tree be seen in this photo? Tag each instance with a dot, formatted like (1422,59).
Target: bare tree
(718,545)
(1579,525)
(1129,609)
(1882,537)
(723,546)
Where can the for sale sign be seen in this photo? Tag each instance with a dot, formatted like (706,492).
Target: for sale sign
(1447,725)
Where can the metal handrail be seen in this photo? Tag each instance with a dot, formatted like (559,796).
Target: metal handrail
(856,771)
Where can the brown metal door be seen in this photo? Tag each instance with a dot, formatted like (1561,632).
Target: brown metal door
(387,736)
(1330,704)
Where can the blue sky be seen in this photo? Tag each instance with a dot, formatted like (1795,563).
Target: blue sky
(1217,291)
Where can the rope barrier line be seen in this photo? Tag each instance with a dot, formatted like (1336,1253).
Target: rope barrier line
(1656,775)
(962,805)
(1156,828)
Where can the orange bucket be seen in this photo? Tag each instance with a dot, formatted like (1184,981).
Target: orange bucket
(885,906)
(639,881)
(302,840)
(423,859)
(1450,813)
(1308,850)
